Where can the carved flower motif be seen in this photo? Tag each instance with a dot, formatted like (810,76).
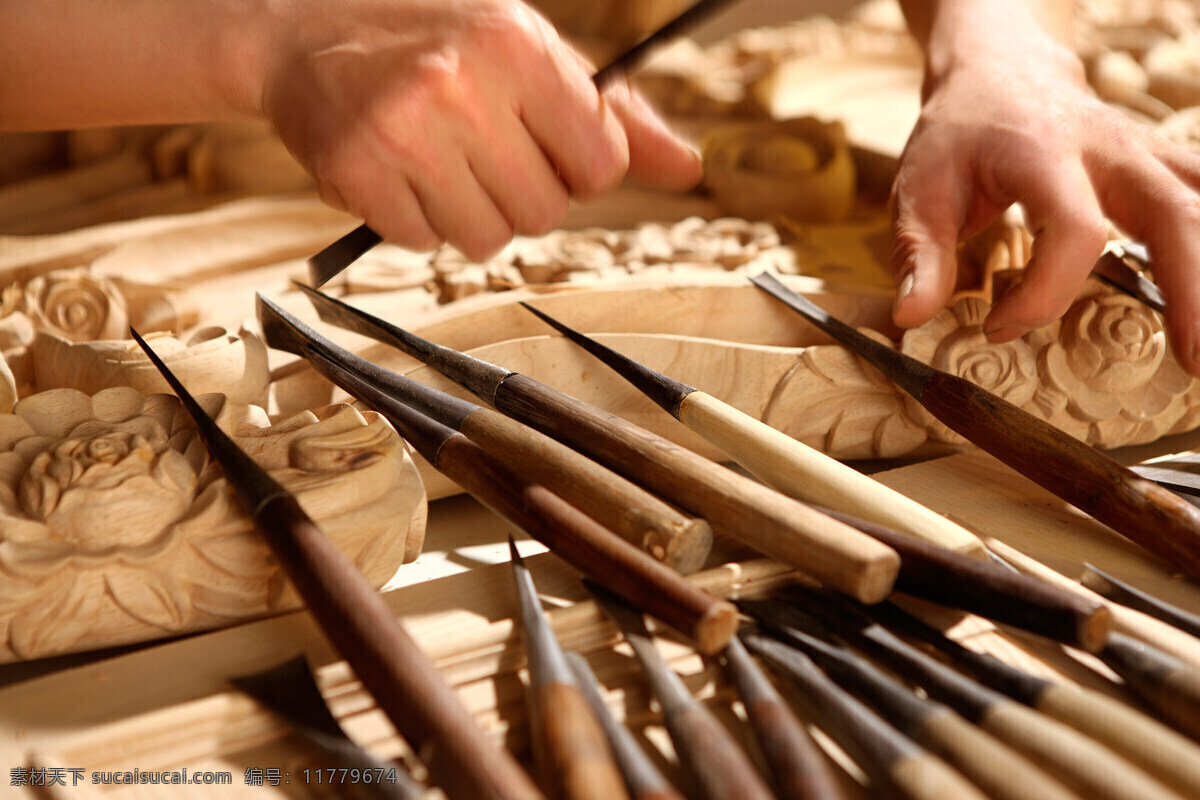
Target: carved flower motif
(115,525)
(90,489)
(77,306)
(1111,362)
(954,342)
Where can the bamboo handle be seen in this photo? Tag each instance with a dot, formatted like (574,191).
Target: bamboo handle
(1091,769)
(589,547)
(997,769)
(778,526)
(1144,512)
(1162,752)
(402,679)
(682,543)
(720,768)
(574,759)
(800,471)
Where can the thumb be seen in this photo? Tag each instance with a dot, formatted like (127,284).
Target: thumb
(928,211)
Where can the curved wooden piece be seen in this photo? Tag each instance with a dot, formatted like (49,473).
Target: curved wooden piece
(115,527)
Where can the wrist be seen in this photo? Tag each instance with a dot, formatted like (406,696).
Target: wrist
(963,36)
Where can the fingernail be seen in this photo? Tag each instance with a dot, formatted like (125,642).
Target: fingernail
(1004,333)
(904,289)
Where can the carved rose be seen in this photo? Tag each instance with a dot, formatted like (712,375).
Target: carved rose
(1111,366)
(77,306)
(115,526)
(953,341)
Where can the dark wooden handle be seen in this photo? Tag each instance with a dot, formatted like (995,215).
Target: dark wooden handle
(574,759)
(778,526)
(720,768)
(589,547)
(402,679)
(680,542)
(801,771)
(1149,515)
(991,590)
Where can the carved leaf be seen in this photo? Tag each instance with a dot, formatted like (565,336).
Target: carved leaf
(150,596)
(56,622)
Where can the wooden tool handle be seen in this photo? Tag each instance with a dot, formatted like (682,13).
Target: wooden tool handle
(799,768)
(402,679)
(720,768)
(799,471)
(925,777)
(997,769)
(833,553)
(1164,753)
(1149,515)
(1090,769)
(682,543)
(589,547)
(993,590)
(574,759)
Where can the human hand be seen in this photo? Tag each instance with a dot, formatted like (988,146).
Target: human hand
(1018,125)
(463,122)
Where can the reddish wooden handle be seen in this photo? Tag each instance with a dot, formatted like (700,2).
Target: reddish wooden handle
(402,679)
(589,547)
(721,769)
(575,761)
(1139,509)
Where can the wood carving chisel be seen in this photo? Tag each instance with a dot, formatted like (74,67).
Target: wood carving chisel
(800,770)
(993,766)
(402,679)
(345,251)
(1156,748)
(679,541)
(893,763)
(776,525)
(574,759)
(1084,765)
(777,459)
(720,768)
(1080,474)
(642,777)
(568,532)
(927,570)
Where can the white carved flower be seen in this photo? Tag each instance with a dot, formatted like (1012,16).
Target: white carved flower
(90,489)
(77,306)
(1110,361)
(953,341)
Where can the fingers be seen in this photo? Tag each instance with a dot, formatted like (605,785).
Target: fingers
(1069,235)
(1157,202)
(657,157)
(928,212)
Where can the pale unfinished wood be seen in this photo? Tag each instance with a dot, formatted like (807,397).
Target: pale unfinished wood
(117,528)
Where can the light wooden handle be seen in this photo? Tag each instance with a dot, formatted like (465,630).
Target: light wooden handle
(925,777)
(574,759)
(1162,752)
(834,553)
(1089,768)
(682,543)
(800,471)
(994,767)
